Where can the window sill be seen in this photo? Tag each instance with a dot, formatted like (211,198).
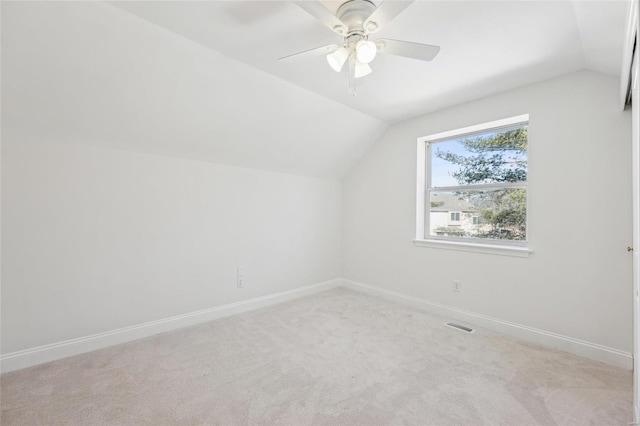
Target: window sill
(476,248)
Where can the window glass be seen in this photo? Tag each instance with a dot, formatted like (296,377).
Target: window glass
(489,213)
(494,156)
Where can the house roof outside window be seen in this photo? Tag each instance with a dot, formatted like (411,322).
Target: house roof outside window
(450,203)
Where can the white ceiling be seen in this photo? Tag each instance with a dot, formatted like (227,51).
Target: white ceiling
(202,80)
(487,46)
(89,73)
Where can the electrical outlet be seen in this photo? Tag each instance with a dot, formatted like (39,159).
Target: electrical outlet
(240,277)
(457,286)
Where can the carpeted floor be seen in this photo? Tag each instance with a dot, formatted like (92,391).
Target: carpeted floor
(335,358)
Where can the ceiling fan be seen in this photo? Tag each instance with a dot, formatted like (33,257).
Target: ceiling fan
(355,20)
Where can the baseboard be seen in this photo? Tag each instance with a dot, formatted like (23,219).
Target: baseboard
(39,355)
(590,350)
(34,356)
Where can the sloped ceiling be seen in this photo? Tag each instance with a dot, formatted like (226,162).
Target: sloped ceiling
(486,46)
(202,79)
(85,72)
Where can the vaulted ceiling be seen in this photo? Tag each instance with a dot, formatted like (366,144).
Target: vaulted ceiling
(202,79)
(486,46)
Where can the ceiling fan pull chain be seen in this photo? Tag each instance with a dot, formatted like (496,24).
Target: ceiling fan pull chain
(352,76)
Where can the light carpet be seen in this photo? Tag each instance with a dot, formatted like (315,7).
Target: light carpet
(335,358)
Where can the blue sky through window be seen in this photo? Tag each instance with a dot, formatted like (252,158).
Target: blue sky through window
(442,171)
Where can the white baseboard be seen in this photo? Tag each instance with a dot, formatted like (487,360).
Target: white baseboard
(41,354)
(590,350)
(34,356)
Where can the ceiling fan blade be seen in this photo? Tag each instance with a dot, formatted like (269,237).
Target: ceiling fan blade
(384,13)
(328,19)
(423,52)
(324,50)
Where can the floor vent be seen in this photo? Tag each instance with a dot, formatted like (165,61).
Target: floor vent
(459,327)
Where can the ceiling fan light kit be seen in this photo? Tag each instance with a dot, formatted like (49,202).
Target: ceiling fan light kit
(355,20)
(338,58)
(358,49)
(362,70)
(366,51)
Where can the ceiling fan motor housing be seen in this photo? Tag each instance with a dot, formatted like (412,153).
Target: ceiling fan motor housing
(354,13)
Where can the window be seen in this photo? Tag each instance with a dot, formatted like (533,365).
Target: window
(472,186)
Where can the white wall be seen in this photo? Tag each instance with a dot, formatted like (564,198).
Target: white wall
(95,239)
(577,282)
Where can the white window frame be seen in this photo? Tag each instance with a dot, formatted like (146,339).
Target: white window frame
(424,188)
